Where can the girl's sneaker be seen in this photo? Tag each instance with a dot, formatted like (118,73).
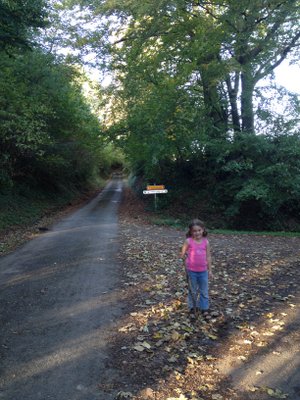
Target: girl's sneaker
(206,315)
(194,313)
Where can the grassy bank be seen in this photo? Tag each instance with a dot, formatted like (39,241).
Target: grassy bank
(182,224)
(23,211)
(23,206)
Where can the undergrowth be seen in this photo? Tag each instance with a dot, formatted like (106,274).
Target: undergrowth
(183,223)
(23,206)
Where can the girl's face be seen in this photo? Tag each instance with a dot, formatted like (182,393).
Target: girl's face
(197,232)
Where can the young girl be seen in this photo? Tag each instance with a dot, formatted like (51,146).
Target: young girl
(196,253)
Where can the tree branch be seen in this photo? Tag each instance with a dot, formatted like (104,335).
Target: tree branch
(282,56)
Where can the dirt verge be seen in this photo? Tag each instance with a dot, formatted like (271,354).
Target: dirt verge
(15,236)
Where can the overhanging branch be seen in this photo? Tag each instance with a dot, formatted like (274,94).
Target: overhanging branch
(263,71)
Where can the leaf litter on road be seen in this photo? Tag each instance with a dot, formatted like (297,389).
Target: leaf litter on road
(160,347)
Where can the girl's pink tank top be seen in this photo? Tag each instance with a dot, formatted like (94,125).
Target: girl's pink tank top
(196,255)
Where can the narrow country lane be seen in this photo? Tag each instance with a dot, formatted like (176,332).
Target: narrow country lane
(59,302)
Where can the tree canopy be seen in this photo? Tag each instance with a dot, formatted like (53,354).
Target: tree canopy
(222,48)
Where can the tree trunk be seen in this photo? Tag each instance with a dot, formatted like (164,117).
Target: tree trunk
(213,106)
(232,93)
(247,99)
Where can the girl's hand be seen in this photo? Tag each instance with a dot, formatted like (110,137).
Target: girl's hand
(210,274)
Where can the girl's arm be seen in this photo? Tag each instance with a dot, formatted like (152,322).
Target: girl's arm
(209,262)
(184,249)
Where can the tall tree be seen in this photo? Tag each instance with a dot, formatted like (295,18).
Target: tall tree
(260,34)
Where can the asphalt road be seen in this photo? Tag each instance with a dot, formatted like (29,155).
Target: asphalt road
(59,301)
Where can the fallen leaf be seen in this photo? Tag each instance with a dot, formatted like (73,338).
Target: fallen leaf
(124,395)
(213,337)
(181,397)
(173,359)
(216,397)
(139,347)
(278,394)
(253,388)
(270,315)
(176,336)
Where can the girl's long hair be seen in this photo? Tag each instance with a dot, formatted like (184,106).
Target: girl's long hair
(196,222)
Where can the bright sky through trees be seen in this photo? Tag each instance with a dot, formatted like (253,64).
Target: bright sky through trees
(288,76)
(285,75)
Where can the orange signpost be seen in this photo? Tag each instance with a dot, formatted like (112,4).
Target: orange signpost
(155,187)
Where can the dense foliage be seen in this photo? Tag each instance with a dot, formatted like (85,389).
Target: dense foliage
(252,183)
(18,20)
(49,136)
(188,108)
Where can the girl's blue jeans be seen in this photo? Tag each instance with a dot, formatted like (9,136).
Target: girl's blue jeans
(199,287)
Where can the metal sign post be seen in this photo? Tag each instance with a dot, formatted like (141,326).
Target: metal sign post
(155,189)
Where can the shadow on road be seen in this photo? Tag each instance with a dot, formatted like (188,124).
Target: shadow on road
(60,301)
